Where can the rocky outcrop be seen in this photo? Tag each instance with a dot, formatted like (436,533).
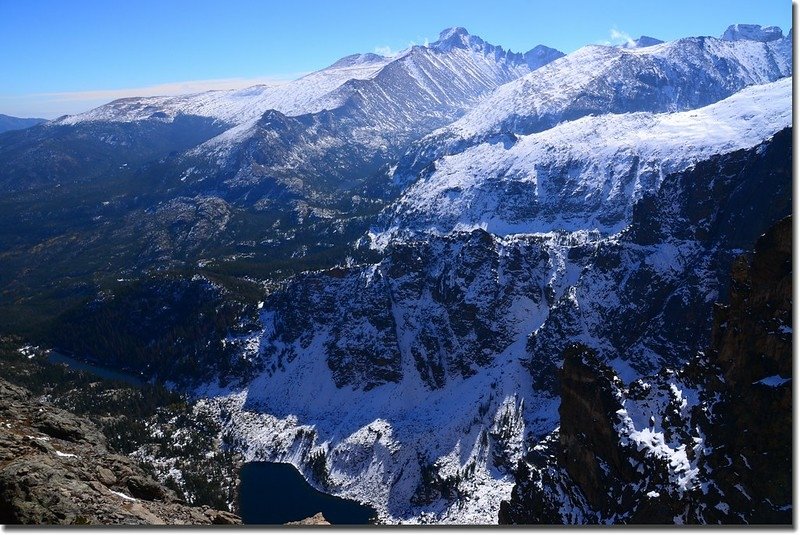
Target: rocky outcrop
(316,520)
(708,443)
(56,468)
(752,32)
(590,448)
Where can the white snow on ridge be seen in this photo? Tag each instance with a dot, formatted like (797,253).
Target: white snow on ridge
(585,173)
(562,84)
(472,66)
(411,94)
(304,95)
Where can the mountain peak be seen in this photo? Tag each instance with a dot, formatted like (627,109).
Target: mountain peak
(455,31)
(358,59)
(541,55)
(752,32)
(642,42)
(456,37)
(646,40)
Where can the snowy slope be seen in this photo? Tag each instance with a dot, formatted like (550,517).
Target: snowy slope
(672,76)
(304,95)
(583,174)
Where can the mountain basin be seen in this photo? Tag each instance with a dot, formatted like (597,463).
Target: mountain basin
(277,493)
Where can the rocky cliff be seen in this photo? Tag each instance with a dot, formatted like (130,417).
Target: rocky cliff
(708,443)
(56,468)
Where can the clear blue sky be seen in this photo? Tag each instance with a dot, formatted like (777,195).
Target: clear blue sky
(81,49)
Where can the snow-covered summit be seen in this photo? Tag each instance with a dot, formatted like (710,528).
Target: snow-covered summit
(458,37)
(752,32)
(672,76)
(304,95)
(359,59)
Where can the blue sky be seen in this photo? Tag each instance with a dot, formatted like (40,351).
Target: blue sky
(68,56)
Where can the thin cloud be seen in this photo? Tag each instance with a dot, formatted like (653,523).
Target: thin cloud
(385,51)
(51,105)
(618,37)
(388,52)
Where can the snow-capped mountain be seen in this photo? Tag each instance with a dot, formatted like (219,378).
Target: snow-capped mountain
(304,95)
(365,122)
(668,77)
(674,76)
(536,200)
(8,122)
(584,174)
(752,32)
(476,65)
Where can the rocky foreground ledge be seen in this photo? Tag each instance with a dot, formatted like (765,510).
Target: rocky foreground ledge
(56,468)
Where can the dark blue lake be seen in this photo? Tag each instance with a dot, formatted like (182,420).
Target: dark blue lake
(276,493)
(105,373)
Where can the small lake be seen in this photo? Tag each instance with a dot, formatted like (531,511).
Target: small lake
(100,371)
(276,493)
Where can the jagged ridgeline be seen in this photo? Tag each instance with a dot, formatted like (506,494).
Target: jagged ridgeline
(409,276)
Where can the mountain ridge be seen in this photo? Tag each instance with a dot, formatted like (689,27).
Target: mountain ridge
(674,76)
(8,122)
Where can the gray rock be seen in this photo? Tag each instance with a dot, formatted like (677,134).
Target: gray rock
(55,469)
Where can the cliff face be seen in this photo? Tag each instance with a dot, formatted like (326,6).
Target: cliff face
(707,443)
(56,468)
(753,349)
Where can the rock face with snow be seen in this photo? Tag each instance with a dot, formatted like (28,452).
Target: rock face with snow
(662,274)
(440,322)
(709,443)
(498,256)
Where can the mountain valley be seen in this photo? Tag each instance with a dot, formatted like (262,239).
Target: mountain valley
(458,284)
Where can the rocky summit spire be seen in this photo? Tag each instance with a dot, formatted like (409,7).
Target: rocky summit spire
(456,37)
(752,32)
